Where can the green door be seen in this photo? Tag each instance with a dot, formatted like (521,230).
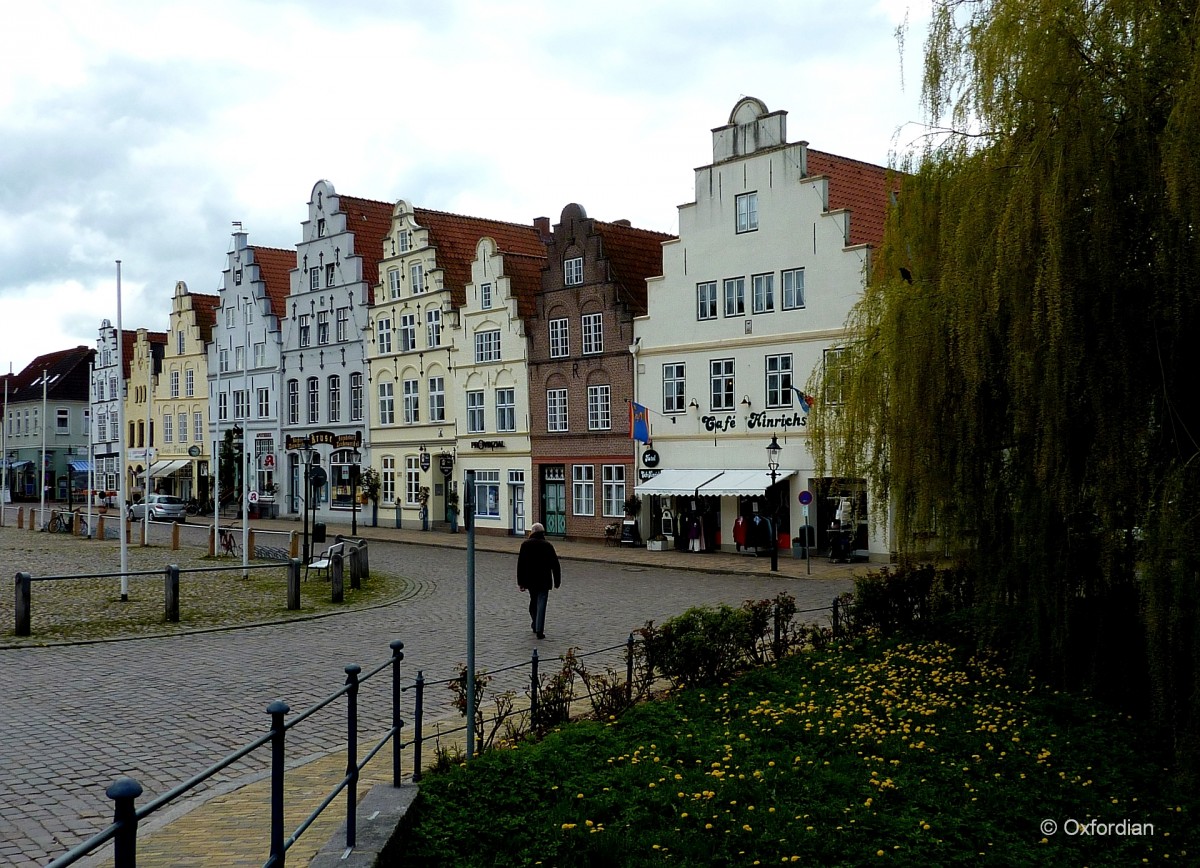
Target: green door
(556,508)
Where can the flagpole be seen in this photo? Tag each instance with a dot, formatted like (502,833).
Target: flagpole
(123,492)
(42,502)
(150,451)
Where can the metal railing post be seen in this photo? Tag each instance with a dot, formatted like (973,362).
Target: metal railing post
(172,593)
(418,713)
(352,753)
(533,690)
(775,616)
(123,791)
(277,710)
(629,670)
(293,583)
(23,601)
(835,618)
(397,724)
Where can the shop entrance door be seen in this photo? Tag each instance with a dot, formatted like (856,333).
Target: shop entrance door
(556,508)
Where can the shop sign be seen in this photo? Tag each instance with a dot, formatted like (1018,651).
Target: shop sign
(650,458)
(424,461)
(646,474)
(325,438)
(446,464)
(487,444)
(761,419)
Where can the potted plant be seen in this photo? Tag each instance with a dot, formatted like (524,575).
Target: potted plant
(370,483)
(633,505)
(423,501)
(452,508)
(657,543)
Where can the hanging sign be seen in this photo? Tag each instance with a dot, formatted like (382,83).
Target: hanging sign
(446,464)
(424,461)
(650,458)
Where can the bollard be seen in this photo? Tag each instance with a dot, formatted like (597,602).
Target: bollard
(293,592)
(20,518)
(629,671)
(397,724)
(418,714)
(277,710)
(293,545)
(533,691)
(212,542)
(335,576)
(352,754)
(100,528)
(175,536)
(250,543)
(123,791)
(172,593)
(24,586)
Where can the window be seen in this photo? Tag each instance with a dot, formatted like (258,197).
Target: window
(613,476)
(223,361)
(230,317)
(112,387)
(241,404)
(179,344)
(383,334)
(189,383)
(388,479)
(412,480)
(593,333)
(293,399)
(322,327)
(222,408)
(330,274)
(835,375)
(506,410)
(433,327)
(335,398)
(99,391)
(779,380)
(583,489)
(487,493)
(260,355)
(485,296)
(356,397)
(735,296)
(174,384)
(343,319)
(475,420)
(101,426)
(764,293)
(573,271)
(721,384)
(560,338)
(747,212)
(417,272)
(263,446)
(793,288)
(314,400)
(412,402)
(599,415)
(183,428)
(264,403)
(556,409)
(321,227)
(394,280)
(437,399)
(62,421)
(402,237)
(239,359)
(198,427)
(487,346)
(168,428)
(673,383)
(387,406)
(305,329)
(408,332)
(314,279)
(706,300)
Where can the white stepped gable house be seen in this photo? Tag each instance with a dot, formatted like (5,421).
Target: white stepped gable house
(754,293)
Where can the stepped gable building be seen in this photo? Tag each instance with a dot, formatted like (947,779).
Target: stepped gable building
(244,360)
(109,378)
(141,444)
(61,435)
(438,269)
(581,372)
(753,298)
(323,367)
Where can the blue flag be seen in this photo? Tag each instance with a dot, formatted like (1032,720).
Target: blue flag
(639,422)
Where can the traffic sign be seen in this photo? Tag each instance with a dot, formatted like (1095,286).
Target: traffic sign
(254,497)
(806,497)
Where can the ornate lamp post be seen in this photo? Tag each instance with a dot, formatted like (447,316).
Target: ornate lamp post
(773,450)
(355,457)
(306,451)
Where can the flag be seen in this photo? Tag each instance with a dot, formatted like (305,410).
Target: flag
(805,401)
(639,422)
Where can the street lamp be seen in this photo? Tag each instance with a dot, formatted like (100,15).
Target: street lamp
(773,450)
(355,457)
(306,451)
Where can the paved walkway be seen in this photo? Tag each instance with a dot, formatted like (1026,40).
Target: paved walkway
(162,709)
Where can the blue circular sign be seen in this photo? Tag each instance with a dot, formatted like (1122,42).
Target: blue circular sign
(806,497)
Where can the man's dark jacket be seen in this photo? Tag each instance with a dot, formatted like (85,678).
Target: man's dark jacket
(537,564)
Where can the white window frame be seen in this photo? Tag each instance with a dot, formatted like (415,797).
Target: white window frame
(583,489)
(487,494)
(343,320)
(779,380)
(189,383)
(174,381)
(383,335)
(417,273)
(198,427)
(387,479)
(313,401)
(356,397)
(599,408)
(560,338)
(437,399)
(334,387)
(593,333)
(183,427)
(734,296)
(293,399)
(330,275)
(556,411)
(721,384)
(746,206)
(573,271)
(674,387)
(264,403)
(408,332)
(485,296)
(322,328)
(394,281)
(433,327)
(763,292)
(792,281)
(305,329)
(487,345)
(613,492)
(168,427)
(412,401)
(476,420)
(387,403)
(506,409)
(706,300)
(412,480)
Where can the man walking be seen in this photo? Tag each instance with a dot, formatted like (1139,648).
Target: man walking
(537,566)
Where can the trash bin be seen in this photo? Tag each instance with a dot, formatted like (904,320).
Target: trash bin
(805,538)
(318,531)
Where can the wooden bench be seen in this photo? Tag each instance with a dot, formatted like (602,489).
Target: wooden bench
(321,563)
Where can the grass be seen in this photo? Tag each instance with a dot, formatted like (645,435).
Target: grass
(877,754)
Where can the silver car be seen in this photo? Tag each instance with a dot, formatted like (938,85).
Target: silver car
(163,507)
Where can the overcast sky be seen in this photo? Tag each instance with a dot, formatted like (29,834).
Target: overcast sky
(140,129)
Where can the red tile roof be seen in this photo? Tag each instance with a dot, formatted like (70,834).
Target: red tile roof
(128,339)
(204,308)
(275,266)
(67,375)
(525,278)
(633,255)
(455,237)
(863,189)
(370,221)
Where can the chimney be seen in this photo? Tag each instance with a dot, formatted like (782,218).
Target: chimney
(542,225)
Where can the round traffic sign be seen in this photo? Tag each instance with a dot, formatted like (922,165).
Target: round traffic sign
(254,497)
(806,497)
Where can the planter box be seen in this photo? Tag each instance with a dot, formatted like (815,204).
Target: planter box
(658,545)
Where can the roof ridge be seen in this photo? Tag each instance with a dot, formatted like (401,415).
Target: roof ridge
(492,220)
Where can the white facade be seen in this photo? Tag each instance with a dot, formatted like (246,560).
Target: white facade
(108,390)
(754,292)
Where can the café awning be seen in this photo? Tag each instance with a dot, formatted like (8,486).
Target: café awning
(678,480)
(743,482)
(166,468)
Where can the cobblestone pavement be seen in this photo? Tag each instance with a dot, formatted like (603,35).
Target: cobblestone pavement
(162,709)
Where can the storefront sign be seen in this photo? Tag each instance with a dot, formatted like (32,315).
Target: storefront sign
(646,474)
(784,420)
(650,458)
(713,423)
(325,438)
(446,464)
(487,444)
(424,461)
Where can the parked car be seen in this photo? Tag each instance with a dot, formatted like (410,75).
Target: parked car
(163,507)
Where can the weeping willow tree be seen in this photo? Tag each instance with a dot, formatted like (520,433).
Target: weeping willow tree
(1021,368)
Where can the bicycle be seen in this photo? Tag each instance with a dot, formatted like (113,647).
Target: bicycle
(58,523)
(230,544)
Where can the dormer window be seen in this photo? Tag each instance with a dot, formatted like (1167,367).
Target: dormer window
(573,271)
